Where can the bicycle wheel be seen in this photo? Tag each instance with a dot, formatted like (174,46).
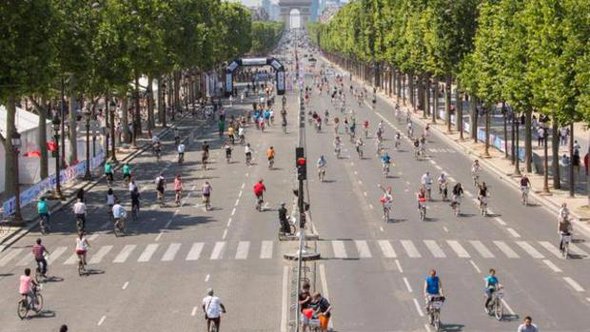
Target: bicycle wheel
(566,250)
(498,310)
(22,309)
(212,327)
(38,303)
(436,320)
(80,268)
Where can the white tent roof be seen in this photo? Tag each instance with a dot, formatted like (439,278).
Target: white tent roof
(24,120)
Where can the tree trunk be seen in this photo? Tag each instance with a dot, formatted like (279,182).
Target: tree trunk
(137,115)
(106,133)
(411,91)
(124,120)
(73,156)
(545,164)
(459,109)
(42,140)
(10,181)
(150,103)
(487,111)
(572,182)
(474,117)
(504,116)
(555,155)
(177,105)
(528,143)
(435,93)
(161,110)
(448,83)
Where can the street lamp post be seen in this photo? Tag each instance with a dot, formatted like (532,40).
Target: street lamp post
(87,115)
(112,110)
(94,125)
(517,157)
(16,144)
(56,122)
(164,105)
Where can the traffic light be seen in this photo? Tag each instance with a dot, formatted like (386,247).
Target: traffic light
(301,164)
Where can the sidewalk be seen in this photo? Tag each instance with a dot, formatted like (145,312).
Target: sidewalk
(579,205)
(11,234)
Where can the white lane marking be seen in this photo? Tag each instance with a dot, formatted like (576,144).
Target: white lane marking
(418,308)
(207,277)
(237,202)
(101,320)
(242,251)
(577,250)
(360,182)
(323,280)
(55,254)
(508,307)
(171,252)
(399,266)
(407,285)
(338,247)
(9,256)
(217,250)
(438,167)
(125,285)
(513,232)
(97,258)
(27,260)
(243,184)
(195,252)
(194,312)
(124,254)
(483,251)
(468,194)
(552,266)
(266,250)
(71,260)
(159,236)
(148,252)
(381,229)
(506,249)
(445,229)
(500,221)
(452,179)
(93,237)
(432,161)
(233,212)
(371,206)
(363,248)
(224,234)
(475,266)
(240,194)
(530,249)
(574,284)
(284,302)
(365,193)
(551,248)
(434,248)
(387,249)
(228,222)
(410,248)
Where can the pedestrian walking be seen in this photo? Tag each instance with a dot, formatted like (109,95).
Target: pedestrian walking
(540,136)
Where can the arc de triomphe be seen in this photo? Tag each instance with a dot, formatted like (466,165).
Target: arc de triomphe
(304,7)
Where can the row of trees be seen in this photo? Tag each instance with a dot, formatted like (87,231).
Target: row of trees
(94,48)
(265,36)
(532,55)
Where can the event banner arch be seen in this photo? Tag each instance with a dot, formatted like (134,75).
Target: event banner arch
(274,63)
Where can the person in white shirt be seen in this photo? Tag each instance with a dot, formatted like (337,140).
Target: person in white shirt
(181,147)
(213,308)
(118,213)
(132,186)
(80,212)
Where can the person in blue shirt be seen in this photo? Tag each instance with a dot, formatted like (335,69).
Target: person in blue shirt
(108,170)
(126,172)
(432,286)
(385,158)
(43,208)
(492,284)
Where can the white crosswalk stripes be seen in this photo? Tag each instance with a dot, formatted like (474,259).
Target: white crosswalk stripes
(387,249)
(99,255)
(9,256)
(55,254)
(576,250)
(458,248)
(363,248)
(551,248)
(71,260)
(27,260)
(171,252)
(148,252)
(529,249)
(434,249)
(195,251)
(506,249)
(266,250)
(242,252)
(124,254)
(410,248)
(338,247)
(217,250)
(481,249)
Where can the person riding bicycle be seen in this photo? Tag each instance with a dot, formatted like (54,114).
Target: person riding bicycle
(228,150)
(111,198)
(457,194)
(482,195)
(563,212)
(259,190)
(416,146)
(80,212)
(432,287)
(359,145)
(387,198)
(248,151)
(119,213)
(337,144)
(398,137)
(525,183)
(410,129)
(491,285)
(322,163)
(180,149)
(135,196)
(205,149)
(421,197)
(206,191)
(475,169)
(564,227)
(178,188)
(108,170)
(283,219)
(26,287)
(213,308)
(43,209)
(176,135)
(39,252)
(442,184)
(385,159)
(426,181)
(82,246)
(270,154)
(126,172)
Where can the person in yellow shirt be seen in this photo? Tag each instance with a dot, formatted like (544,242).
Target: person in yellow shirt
(270,154)
(230,134)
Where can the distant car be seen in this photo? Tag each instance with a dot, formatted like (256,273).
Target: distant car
(312,60)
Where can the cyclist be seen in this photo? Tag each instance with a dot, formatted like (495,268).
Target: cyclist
(386,161)
(337,146)
(527,325)
(398,137)
(386,199)
(283,219)
(483,193)
(160,186)
(421,196)
(563,212)
(206,190)
(213,308)
(432,287)
(410,129)
(359,146)
(82,246)
(241,134)
(457,193)
(108,171)
(491,285)
(180,149)
(205,154)
(270,154)
(322,164)
(178,187)
(135,196)
(80,212)
(416,147)
(564,227)
(525,184)
(132,186)
(157,148)
(227,149)
(176,135)
(259,190)
(442,184)
(26,287)
(39,252)
(366,128)
(119,213)
(126,172)
(248,151)
(111,198)
(475,169)
(43,209)
(426,182)
(231,134)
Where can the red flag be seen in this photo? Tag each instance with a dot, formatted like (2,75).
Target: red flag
(35,153)
(51,146)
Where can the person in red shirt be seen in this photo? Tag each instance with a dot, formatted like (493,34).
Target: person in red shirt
(39,251)
(259,190)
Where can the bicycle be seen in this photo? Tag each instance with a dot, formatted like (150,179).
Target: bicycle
(359,150)
(386,211)
(566,238)
(119,226)
(321,173)
(39,276)
(135,212)
(483,206)
(80,223)
(36,305)
(207,202)
(443,191)
(475,180)
(385,169)
(44,224)
(422,210)
(525,195)
(434,305)
(177,197)
(81,267)
(456,205)
(495,307)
